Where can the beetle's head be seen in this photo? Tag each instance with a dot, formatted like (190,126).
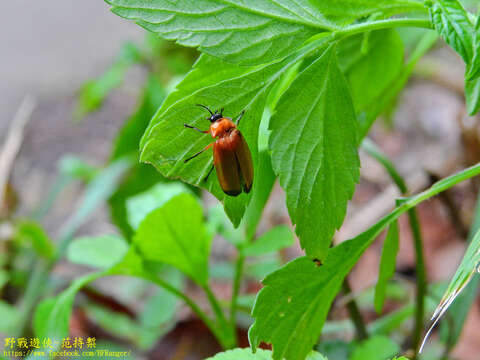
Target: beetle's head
(214,116)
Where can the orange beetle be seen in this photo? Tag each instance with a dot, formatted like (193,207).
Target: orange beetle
(231,156)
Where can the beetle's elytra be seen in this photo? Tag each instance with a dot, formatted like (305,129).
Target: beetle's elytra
(231,156)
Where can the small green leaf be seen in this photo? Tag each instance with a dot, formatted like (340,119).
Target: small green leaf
(32,232)
(452,329)
(53,314)
(239,32)
(387,265)
(10,316)
(139,206)
(473,67)
(472,95)
(275,239)
(100,252)
(451,21)
(76,168)
(396,85)
(175,234)
(260,354)
(465,271)
(376,348)
(370,74)
(93,93)
(314,151)
(98,190)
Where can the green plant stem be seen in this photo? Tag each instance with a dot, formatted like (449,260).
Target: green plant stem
(376,153)
(236,287)
(195,308)
(381,24)
(354,312)
(228,333)
(421,281)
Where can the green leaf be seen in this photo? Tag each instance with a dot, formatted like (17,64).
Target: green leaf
(97,191)
(100,252)
(371,73)
(465,271)
(128,138)
(275,239)
(387,265)
(260,354)
(451,21)
(166,143)
(314,151)
(390,93)
(292,307)
(451,330)
(53,314)
(473,67)
(234,30)
(32,232)
(93,93)
(175,234)
(472,95)
(141,177)
(376,348)
(158,314)
(139,206)
(10,316)
(76,168)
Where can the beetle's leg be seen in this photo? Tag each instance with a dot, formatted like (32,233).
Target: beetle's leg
(201,151)
(209,172)
(194,128)
(237,122)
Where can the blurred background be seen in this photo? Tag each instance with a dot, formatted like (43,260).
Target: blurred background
(50,49)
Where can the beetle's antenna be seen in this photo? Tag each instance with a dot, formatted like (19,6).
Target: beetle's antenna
(221,112)
(205,107)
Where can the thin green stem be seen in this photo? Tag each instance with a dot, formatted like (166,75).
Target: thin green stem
(381,24)
(229,339)
(376,153)
(421,281)
(195,308)
(236,287)
(354,312)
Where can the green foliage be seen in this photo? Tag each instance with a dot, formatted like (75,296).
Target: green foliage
(141,176)
(376,348)
(33,233)
(99,252)
(370,73)
(292,307)
(93,93)
(465,271)
(453,24)
(275,239)
(319,173)
(175,234)
(260,354)
(345,11)
(166,143)
(387,265)
(253,33)
(140,205)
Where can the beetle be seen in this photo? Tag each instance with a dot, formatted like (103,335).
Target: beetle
(231,156)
